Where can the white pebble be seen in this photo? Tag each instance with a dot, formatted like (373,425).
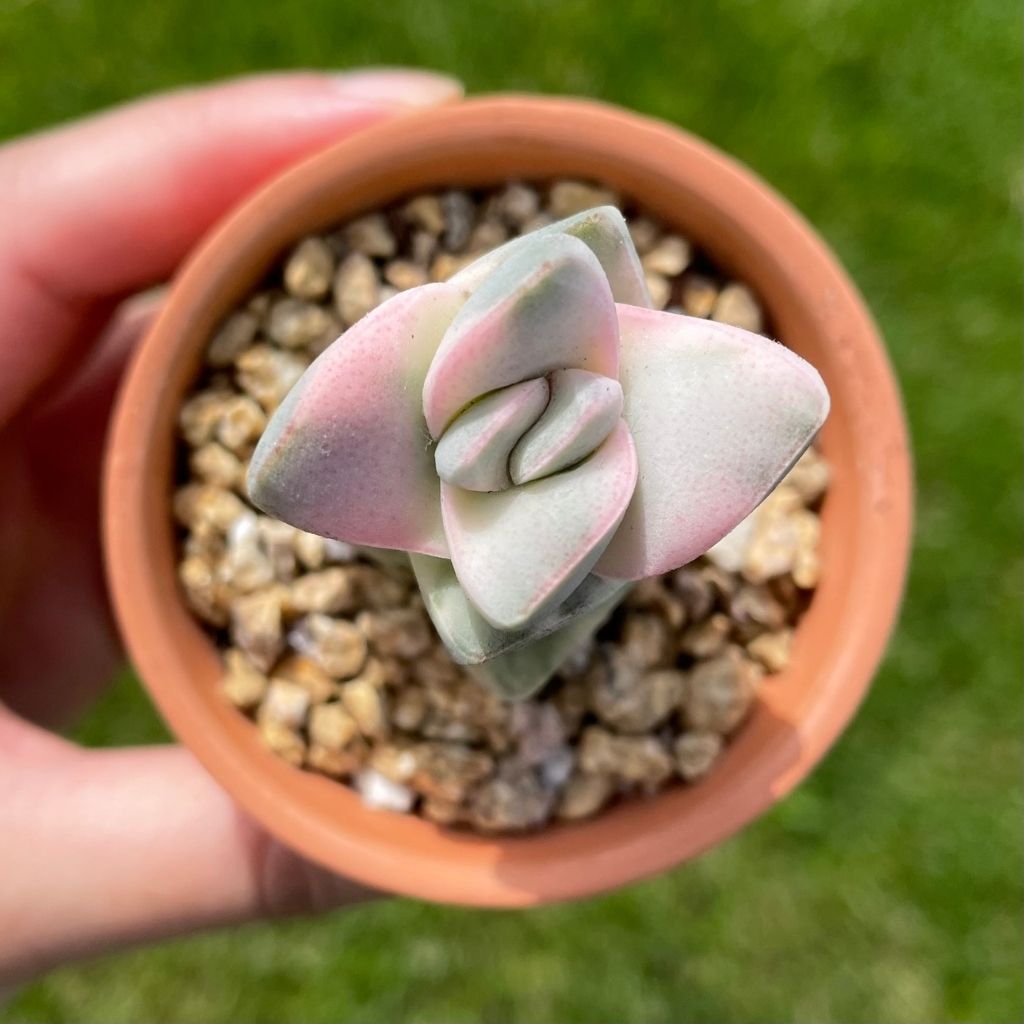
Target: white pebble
(380,793)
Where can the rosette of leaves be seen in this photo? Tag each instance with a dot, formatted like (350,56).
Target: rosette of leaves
(537,438)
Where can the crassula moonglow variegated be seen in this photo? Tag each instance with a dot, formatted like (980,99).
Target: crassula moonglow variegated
(537,438)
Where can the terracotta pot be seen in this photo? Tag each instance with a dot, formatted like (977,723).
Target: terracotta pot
(866,519)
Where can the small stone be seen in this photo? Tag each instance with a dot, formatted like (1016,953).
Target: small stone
(309,269)
(671,256)
(736,305)
(208,543)
(695,591)
(277,541)
(303,671)
(295,323)
(201,414)
(538,731)
(397,632)
(806,564)
(707,638)
(488,234)
(772,649)
(652,595)
(336,645)
(214,464)
(569,197)
(730,552)
(556,768)
(720,692)
(447,771)
(309,549)
(241,424)
(584,796)
(338,552)
(659,289)
(644,233)
(441,812)
(285,702)
(398,762)
(329,591)
(204,594)
(338,764)
(197,505)
(245,567)
(283,740)
(723,584)
(267,374)
(772,550)
(382,794)
(629,700)
(422,247)
(404,274)
(366,704)
(410,708)
(445,265)
(256,627)
(517,203)
(242,684)
(356,288)
(541,220)
(646,640)
(260,303)
(572,701)
(233,337)
(698,295)
(425,212)
(809,477)
(695,753)
(459,211)
(511,802)
(371,236)
(635,760)
(755,609)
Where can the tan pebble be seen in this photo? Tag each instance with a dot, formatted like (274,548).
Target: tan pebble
(569,197)
(736,305)
(488,234)
(398,632)
(723,584)
(444,265)
(205,541)
(509,803)
(398,762)
(809,477)
(285,702)
(635,760)
(330,591)
(260,303)
(201,414)
(337,763)
(695,591)
(309,269)
(442,725)
(393,672)
(256,626)
(671,256)
(806,564)
(305,672)
(772,649)
(628,699)
(283,740)
(422,248)
(652,595)
(403,274)
(584,795)
(309,549)
(646,640)
(707,638)
(459,212)
(731,551)
(338,646)
(410,708)
(356,288)
(277,540)
(773,547)
(371,236)
(644,233)
(447,771)
(756,606)
(198,505)
(426,213)
(538,732)
(245,567)
(571,700)
(720,692)
(517,203)
(442,812)
(233,336)
(214,464)
(379,589)
(698,295)
(695,753)
(241,424)
(242,684)
(367,705)
(659,289)
(208,598)
(267,374)
(295,323)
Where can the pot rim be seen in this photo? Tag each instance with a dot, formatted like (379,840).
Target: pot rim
(866,521)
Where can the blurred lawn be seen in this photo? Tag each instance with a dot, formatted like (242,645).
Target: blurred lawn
(888,889)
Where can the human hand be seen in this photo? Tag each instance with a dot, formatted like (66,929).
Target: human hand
(103,848)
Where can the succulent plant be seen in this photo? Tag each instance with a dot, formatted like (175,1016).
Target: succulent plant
(537,438)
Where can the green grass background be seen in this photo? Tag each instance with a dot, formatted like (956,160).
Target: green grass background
(888,888)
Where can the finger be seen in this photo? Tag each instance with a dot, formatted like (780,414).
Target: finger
(113,848)
(111,204)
